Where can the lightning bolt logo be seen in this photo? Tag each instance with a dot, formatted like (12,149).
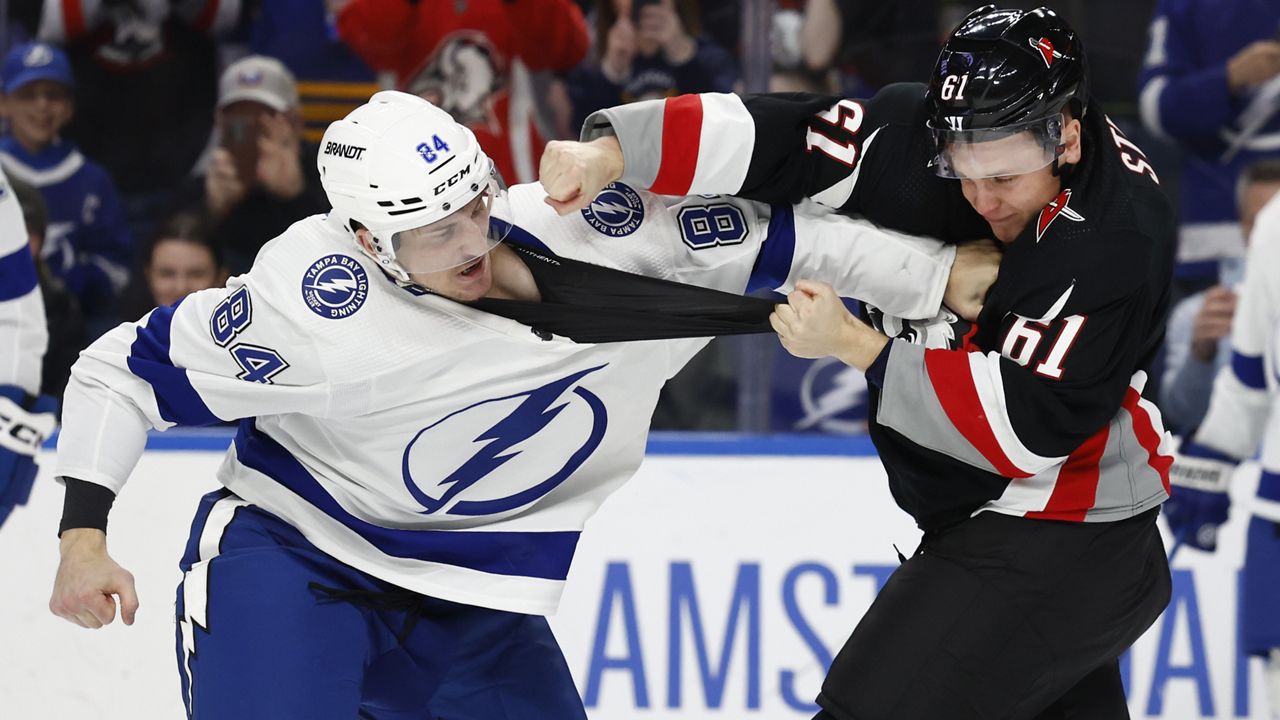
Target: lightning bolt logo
(600,207)
(537,410)
(335,285)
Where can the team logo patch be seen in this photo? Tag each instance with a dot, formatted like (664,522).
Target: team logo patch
(616,211)
(335,286)
(1056,207)
(1045,47)
(522,446)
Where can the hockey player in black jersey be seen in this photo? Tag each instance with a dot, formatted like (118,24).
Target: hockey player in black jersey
(1022,445)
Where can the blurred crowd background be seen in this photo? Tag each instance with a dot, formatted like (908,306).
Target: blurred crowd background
(156,145)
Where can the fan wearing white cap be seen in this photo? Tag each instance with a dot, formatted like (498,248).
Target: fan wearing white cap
(259,178)
(428,417)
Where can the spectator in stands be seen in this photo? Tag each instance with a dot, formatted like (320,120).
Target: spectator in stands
(871,43)
(61,310)
(1211,84)
(87,244)
(147,75)
(181,259)
(262,177)
(1198,340)
(474,59)
(303,34)
(648,49)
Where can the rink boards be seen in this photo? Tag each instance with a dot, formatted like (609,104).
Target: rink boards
(717,583)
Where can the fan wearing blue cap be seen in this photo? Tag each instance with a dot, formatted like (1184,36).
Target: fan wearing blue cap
(88,244)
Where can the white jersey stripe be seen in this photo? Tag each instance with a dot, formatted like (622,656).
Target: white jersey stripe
(990,386)
(725,123)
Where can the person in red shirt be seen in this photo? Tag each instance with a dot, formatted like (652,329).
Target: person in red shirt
(474,60)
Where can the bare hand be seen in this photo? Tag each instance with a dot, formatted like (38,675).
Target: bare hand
(279,165)
(1257,63)
(620,49)
(87,579)
(974,271)
(223,189)
(815,323)
(573,173)
(659,25)
(1213,322)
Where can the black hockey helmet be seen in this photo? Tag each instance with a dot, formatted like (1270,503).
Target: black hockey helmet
(1001,73)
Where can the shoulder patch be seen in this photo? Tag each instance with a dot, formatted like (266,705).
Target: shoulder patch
(617,211)
(1057,206)
(335,286)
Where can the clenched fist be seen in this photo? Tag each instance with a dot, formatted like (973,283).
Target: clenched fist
(573,173)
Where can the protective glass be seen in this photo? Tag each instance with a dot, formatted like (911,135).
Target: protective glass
(454,241)
(997,152)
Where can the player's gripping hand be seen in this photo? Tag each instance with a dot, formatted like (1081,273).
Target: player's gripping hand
(88,579)
(1199,502)
(815,323)
(573,173)
(24,425)
(972,274)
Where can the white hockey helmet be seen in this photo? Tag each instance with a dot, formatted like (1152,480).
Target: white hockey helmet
(399,163)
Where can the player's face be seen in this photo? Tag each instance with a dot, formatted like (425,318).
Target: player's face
(179,268)
(1009,202)
(459,242)
(38,111)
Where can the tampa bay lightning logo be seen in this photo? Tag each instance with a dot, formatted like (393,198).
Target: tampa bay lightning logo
(833,397)
(461,464)
(335,286)
(616,211)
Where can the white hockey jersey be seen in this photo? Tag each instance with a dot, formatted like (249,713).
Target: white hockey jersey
(440,448)
(1244,410)
(23,333)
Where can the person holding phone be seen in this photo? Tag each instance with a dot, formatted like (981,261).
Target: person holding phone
(259,179)
(649,49)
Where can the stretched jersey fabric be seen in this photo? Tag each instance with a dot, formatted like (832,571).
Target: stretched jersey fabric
(1243,412)
(1184,97)
(23,333)
(87,243)
(1038,409)
(441,448)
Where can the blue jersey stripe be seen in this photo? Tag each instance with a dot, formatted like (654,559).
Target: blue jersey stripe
(149,359)
(1269,486)
(1196,450)
(17,274)
(773,264)
(523,554)
(1248,368)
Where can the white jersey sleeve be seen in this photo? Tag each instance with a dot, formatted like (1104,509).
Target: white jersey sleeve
(738,245)
(1244,392)
(23,333)
(218,355)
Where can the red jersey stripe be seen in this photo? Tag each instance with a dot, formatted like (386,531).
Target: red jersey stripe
(952,381)
(681,138)
(1148,437)
(72,19)
(1077,486)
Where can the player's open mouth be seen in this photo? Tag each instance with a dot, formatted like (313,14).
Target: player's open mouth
(472,267)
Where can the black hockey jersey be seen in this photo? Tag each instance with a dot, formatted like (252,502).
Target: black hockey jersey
(1035,410)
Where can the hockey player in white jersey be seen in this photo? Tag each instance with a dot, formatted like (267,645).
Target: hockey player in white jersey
(427,418)
(26,417)
(1244,414)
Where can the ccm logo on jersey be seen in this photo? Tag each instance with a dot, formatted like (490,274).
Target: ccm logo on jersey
(1056,207)
(342,150)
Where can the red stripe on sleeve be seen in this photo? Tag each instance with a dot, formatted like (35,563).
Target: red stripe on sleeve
(1077,486)
(681,137)
(952,381)
(1148,436)
(72,18)
(205,20)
